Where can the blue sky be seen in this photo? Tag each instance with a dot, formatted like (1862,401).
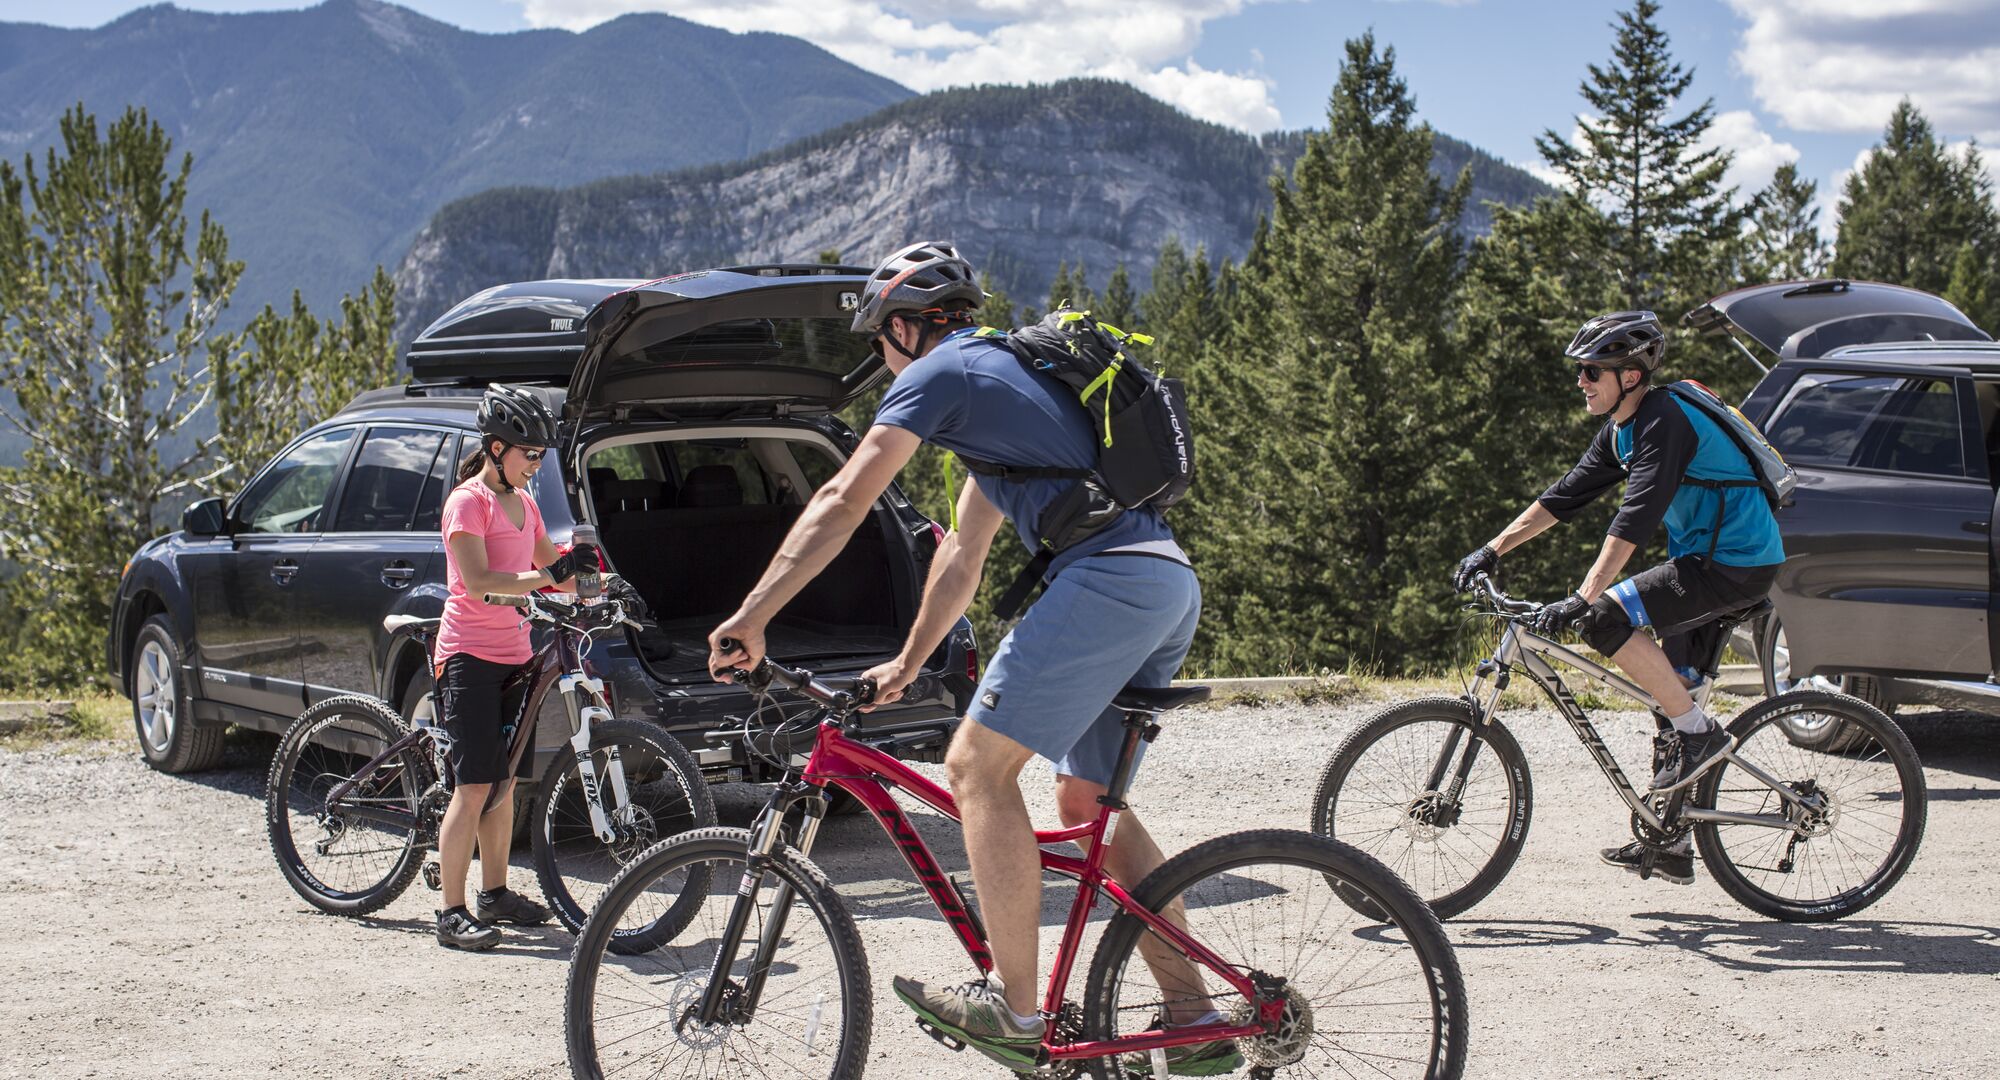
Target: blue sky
(1804,80)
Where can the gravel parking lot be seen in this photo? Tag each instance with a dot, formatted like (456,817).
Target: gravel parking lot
(154,936)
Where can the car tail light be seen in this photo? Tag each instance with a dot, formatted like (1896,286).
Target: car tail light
(972,662)
(937,533)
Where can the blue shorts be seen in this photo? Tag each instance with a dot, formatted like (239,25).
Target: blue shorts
(1105,622)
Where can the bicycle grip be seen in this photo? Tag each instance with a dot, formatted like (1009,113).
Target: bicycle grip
(500,599)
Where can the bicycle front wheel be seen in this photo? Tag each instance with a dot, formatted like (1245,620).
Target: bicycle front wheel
(353,856)
(665,795)
(1866,818)
(1390,790)
(637,1014)
(1361,999)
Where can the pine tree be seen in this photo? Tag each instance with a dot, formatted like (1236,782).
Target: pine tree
(1908,211)
(1670,229)
(1351,387)
(112,358)
(1118,305)
(1786,244)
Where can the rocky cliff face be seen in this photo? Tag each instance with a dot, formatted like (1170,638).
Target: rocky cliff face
(1022,179)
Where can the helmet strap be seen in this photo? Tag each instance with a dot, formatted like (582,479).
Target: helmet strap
(498,460)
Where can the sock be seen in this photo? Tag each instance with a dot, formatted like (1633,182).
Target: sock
(493,894)
(460,908)
(1026,1023)
(1212,1016)
(1692,722)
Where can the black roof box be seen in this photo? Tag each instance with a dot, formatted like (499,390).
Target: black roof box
(529,331)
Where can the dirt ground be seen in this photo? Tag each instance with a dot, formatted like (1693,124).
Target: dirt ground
(153,936)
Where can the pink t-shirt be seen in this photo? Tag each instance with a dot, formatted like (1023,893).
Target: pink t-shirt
(471,625)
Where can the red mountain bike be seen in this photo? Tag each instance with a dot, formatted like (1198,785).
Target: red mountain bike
(769,978)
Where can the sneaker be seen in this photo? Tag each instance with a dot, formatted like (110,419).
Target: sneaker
(976,1015)
(1688,756)
(1218,1058)
(456,929)
(504,905)
(1676,866)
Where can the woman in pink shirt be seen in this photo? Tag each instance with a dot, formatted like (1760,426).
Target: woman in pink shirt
(494,541)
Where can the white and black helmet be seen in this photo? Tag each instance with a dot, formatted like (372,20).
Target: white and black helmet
(516,417)
(925,278)
(1622,339)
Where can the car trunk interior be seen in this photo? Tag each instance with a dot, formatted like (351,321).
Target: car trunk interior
(692,519)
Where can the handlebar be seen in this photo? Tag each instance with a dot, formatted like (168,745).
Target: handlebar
(544,607)
(841,695)
(1501,601)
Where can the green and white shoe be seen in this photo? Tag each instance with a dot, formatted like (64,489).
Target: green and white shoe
(976,1015)
(1218,1058)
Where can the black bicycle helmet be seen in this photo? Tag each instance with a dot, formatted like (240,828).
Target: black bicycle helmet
(926,277)
(1622,339)
(516,417)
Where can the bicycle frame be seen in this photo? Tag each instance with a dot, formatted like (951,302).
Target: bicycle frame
(559,665)
(868,775)
(1526,651)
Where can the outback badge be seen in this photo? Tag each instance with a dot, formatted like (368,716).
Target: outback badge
(849,301)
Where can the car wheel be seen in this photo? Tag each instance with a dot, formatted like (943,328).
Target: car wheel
(169,738)
(1813,731)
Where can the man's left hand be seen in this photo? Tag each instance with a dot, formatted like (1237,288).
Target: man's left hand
(891,679)
(1552,619)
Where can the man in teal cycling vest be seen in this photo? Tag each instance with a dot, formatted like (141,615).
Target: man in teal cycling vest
(1679,469)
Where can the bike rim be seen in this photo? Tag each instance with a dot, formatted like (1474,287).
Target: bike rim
(1858,838)
(1360,997)
(1385,807)
(155,695)
(638,1002)
(343,856)
(660,807)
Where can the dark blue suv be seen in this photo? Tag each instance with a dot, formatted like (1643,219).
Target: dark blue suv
(697,418)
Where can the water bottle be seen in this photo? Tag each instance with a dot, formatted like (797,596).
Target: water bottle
(583,548)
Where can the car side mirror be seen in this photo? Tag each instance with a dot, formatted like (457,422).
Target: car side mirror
(204,519)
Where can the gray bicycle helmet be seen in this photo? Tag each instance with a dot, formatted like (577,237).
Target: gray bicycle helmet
(1622,339)
(516,417)
(921,278)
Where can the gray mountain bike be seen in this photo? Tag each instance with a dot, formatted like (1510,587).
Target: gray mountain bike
(1438,788)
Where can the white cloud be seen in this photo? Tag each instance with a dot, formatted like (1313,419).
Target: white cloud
(1756,154)
(1144,42)
(1842,65)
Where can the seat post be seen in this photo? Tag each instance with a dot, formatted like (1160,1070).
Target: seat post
(1138,726)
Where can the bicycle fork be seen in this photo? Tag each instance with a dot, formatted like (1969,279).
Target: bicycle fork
(718,1004)
(583,711)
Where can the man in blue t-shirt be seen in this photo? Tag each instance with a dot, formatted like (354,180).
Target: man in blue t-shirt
(1679,469)
(1120,608)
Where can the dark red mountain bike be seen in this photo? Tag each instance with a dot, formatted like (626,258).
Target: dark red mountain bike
(769,978)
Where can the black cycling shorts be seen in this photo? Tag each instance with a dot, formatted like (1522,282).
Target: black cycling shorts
(481,704)
(1680,599)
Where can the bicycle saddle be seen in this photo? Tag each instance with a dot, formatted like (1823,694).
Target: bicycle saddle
(397,623)
(1158,699)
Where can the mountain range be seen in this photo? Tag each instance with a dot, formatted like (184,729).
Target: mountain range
(325,138)
(1084,171)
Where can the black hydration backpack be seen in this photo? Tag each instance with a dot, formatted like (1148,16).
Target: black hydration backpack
(1145,445)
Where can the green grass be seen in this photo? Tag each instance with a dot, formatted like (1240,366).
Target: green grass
(97,717)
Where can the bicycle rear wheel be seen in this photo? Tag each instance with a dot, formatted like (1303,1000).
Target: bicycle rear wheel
(1378,794)
(666,796)
(1857,844)
(356,856)
(1362,999)
(632,1015)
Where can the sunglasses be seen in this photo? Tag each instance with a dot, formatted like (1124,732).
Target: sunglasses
(531,455)
(1591,372)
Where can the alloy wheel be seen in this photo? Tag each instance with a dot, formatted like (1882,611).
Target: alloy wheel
(157,696)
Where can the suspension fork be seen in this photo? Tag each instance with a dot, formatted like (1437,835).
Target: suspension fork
(814,806)
(764,838)
(1496,669)
(584,696)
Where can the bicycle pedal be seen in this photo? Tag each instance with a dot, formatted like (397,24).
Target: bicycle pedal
(944,1038)
(433,877)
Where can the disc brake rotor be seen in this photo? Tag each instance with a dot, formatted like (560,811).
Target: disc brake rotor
(1288,1043)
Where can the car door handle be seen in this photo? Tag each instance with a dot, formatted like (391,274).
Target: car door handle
(1976,525)
(396,575)
(282,571)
